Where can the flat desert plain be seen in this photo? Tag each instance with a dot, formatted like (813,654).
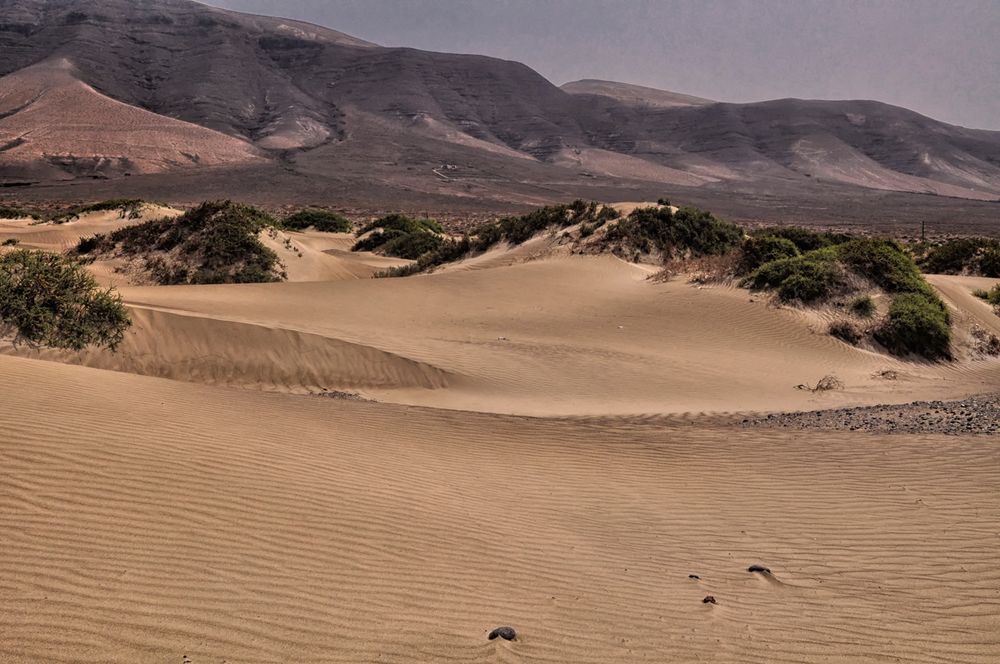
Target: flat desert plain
(555,445)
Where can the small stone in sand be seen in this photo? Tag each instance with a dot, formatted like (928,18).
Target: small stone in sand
(759,568)
(709,600)
(693,576)
(505,633)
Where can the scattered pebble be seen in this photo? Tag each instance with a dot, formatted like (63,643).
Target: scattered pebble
(973,416)
(693,576)
(759,568)
(709,600)
(505,633)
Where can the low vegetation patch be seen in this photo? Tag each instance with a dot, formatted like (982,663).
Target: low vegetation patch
(15,213)
(846,331)
(51,300)
(214,243)
(321,220)
(688,232)
(918,322)
(863,306)
(127,208)
(977,256)
(400,236)
(917,325)
(992,295)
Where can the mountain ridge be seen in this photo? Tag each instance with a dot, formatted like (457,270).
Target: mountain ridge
(314,102)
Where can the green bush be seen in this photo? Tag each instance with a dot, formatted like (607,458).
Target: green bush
(412,245)
(962,256)
(687,232)
(761,249)
(992,295)
(916,325)
(50,300)
(803,238)
(15,213)
(989,262)
(127,208)
(885,263)
(447,252)
(863,306)
(403,224)
(807,278)
(214,243)
(519,229)
(10,242)
(321,220)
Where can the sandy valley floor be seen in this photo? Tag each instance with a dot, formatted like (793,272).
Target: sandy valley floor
(548,450)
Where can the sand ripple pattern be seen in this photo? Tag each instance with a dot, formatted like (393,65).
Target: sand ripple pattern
(144,520)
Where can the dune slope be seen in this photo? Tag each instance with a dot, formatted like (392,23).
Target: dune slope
(559,336)
(150,520)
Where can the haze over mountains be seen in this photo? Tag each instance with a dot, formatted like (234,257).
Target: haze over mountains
(108,88)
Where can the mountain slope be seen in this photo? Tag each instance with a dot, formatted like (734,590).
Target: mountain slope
(320,103)
(55,126)
(632,95)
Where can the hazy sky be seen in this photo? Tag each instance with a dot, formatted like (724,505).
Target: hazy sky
(938,57)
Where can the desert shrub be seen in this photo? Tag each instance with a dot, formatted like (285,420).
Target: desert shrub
(827,383)
(10,242)
(519,229)
(687,232)
(992,295)
(446,252)
(213,243)
(989,262)
(127,208)
(803,238)
(412,245)
(322,220)
(402,223)
(985,342)
(15,213)
(916,325)
(863,306)
(962,256)
(846,331)
(885,263)
(806,278)
(761,249)
(663,201)
(50,300)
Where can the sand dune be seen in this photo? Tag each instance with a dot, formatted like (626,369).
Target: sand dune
(318,256)
(578,336)
(147,520)
(194,505)
(60,237)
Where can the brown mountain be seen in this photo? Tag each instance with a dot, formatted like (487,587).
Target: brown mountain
(632,95)
(321,114)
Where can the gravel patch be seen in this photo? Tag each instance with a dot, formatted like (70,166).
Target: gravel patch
(978,415)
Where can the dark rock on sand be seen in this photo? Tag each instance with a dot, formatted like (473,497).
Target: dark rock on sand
(505,633)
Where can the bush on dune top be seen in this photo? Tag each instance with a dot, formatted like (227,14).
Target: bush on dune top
(321,220)
(213,243)
(51,300)
(687,232)
(918,322)
(979,256)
